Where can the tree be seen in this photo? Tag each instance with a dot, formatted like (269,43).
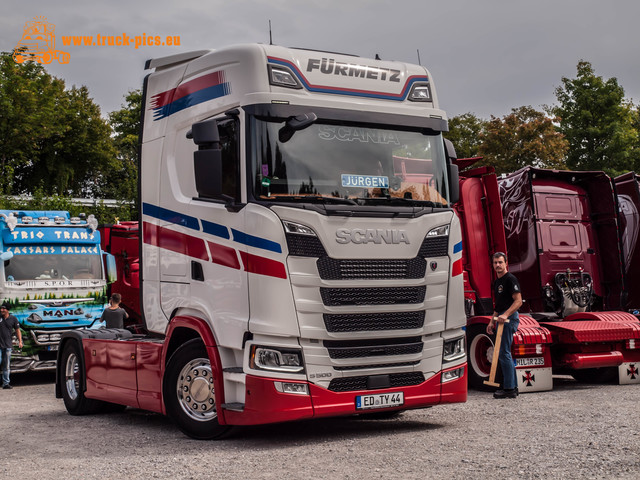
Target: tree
(50,137)
(464,132)
(28,98)
(125,124)
(522,138)
(597,122)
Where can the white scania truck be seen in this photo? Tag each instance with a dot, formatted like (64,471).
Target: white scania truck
(299,254)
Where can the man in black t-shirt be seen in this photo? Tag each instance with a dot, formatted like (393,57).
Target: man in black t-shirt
(114,315)
(8,323)
(507,300)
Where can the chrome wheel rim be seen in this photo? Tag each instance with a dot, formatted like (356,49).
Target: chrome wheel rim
(72,376)
(195,390)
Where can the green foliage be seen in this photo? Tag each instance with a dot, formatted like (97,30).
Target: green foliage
(51,137)
(464,132)
(522,138)
(125,124)
(39,201)
(597,122)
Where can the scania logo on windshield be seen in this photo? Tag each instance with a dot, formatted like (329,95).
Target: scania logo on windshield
(371,235)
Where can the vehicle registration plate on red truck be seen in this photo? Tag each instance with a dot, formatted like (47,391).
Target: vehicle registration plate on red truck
(379,400)
(529,362)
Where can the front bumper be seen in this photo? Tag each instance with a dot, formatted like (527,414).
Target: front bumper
(264,404)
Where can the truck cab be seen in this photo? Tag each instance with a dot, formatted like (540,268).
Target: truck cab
(53,278)
(299,249)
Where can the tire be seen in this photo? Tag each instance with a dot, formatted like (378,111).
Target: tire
(189,393)
(596,375)
(480,356)
(72,381)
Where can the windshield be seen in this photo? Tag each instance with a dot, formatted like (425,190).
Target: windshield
(348,163)
(59,267)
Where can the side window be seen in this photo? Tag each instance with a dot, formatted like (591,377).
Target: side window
(230,144)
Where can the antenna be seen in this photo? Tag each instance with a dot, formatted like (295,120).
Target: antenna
(270,37)
(419,62)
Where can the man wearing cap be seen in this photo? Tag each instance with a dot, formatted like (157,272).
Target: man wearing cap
(8,323)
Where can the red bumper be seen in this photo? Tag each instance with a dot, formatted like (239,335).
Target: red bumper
(264,404)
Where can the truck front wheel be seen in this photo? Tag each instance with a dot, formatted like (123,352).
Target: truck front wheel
(480,356)
(72,378)
(189,392)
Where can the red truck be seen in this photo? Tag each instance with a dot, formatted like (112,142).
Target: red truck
(561,232)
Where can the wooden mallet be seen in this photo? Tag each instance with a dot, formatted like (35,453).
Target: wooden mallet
(496,354)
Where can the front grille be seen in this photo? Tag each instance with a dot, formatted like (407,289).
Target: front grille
(333,269)
(434,247)
(376,366)
(371,322)
(350,384)
(372,296)
(305,246)
(373,348)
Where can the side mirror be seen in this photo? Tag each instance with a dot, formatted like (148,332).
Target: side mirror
(112,273)
(207,160)
(452,172)
(295,124)
(454,183)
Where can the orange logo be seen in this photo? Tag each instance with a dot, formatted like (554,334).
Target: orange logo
(38,43)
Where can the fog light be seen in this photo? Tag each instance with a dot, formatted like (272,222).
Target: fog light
(420,93)
(295,388)
(452,374)
(283,77)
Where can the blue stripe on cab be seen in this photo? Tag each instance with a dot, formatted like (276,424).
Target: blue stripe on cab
(204,95)
(457,247)
(170,216)
(215,229)
(252,241)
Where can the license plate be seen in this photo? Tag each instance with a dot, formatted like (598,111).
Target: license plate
(528,362)
(379,400)
(52,348)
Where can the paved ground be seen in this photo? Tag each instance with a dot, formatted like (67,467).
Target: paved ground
(575,431)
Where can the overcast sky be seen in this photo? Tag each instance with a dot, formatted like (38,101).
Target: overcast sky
(485,56)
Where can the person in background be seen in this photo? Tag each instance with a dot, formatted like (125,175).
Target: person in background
(508,299)
(8,323)
(114,315)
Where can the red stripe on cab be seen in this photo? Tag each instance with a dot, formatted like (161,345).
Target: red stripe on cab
(262,266)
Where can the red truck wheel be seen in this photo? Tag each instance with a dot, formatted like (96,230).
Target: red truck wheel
(72,380)
(189,392)
(480,356)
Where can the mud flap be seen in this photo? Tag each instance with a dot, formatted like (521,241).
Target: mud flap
(534,379)
(629,373)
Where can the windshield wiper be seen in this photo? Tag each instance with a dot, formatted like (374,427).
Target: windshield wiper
(314,199)
(398,200)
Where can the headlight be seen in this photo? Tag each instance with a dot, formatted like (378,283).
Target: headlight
(453,349)
(276,360)
(34,318)
(438,231)
(300,229)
